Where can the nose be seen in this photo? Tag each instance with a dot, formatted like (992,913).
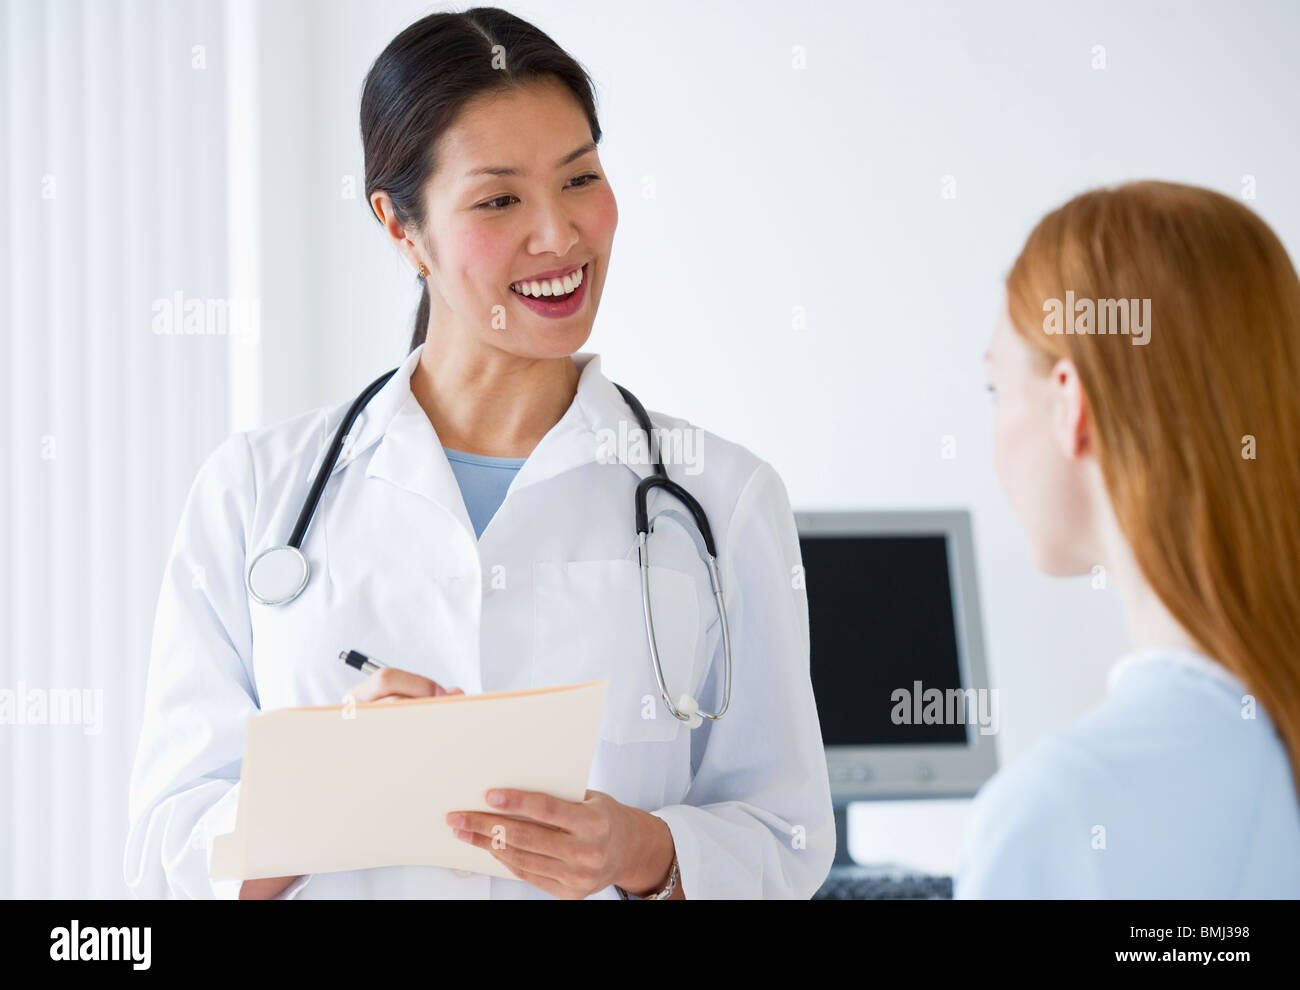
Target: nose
(555,231)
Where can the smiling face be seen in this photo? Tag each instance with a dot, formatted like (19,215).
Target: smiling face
(519,193)
(1041,452)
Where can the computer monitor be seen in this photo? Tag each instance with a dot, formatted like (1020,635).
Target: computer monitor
(897,654)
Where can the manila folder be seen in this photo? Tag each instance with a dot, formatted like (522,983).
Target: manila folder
(350,787)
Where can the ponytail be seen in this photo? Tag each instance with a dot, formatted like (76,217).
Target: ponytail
(421,317)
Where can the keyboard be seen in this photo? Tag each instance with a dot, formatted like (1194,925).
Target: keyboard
(865,883)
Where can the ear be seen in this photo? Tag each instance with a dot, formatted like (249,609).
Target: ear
(1070,414)
(382,205)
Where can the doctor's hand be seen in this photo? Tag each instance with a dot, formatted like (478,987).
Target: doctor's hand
(264,889)
(390,683)
(572,849)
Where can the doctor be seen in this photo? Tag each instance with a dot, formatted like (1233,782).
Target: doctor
(477,534)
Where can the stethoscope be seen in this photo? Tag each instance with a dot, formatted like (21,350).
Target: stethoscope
(278,574)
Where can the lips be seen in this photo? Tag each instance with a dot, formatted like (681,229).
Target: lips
(552,288)
(552,273)
(557,307)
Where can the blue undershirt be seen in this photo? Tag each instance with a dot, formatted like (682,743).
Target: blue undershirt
(483,482)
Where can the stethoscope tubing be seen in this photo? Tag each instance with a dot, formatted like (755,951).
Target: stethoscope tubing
(336,447)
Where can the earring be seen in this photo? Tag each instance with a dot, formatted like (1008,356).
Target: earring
(423,272)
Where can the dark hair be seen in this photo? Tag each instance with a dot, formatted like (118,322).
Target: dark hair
(420,83)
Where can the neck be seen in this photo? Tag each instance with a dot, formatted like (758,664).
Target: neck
(1147,620)
(486,401)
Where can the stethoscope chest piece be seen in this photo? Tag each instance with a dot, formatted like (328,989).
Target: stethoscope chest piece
(277,575)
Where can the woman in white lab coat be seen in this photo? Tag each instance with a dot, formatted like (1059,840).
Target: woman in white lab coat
(480,152)
(1148,424)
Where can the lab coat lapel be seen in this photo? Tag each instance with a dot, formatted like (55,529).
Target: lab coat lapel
(410,455)
(378,413)
(408,452)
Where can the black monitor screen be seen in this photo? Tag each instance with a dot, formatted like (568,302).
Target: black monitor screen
(881,619)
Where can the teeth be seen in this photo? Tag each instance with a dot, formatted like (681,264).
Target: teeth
(549,287)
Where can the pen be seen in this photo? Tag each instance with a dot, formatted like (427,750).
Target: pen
(360,661)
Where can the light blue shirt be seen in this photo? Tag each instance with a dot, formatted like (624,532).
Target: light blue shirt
(483,483)
(1164,790)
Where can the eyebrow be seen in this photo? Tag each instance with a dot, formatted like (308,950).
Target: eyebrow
(505,170)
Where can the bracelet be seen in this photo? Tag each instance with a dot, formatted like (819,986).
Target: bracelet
(659,895)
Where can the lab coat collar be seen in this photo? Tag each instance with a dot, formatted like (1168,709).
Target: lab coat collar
(589,431)
(410,453)
(379,412)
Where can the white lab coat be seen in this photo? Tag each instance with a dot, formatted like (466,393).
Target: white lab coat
(549,595)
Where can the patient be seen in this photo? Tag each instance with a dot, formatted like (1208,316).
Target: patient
(1146,372)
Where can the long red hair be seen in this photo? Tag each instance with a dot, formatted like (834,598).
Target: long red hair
(1197,431)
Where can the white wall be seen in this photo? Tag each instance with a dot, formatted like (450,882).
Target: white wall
(112,200)
(820,187)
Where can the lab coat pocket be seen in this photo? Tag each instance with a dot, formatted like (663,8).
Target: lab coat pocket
(588,624)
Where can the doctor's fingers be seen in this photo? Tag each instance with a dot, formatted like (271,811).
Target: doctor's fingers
(548,872)
(537,838)
(552,875)
(394,682)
